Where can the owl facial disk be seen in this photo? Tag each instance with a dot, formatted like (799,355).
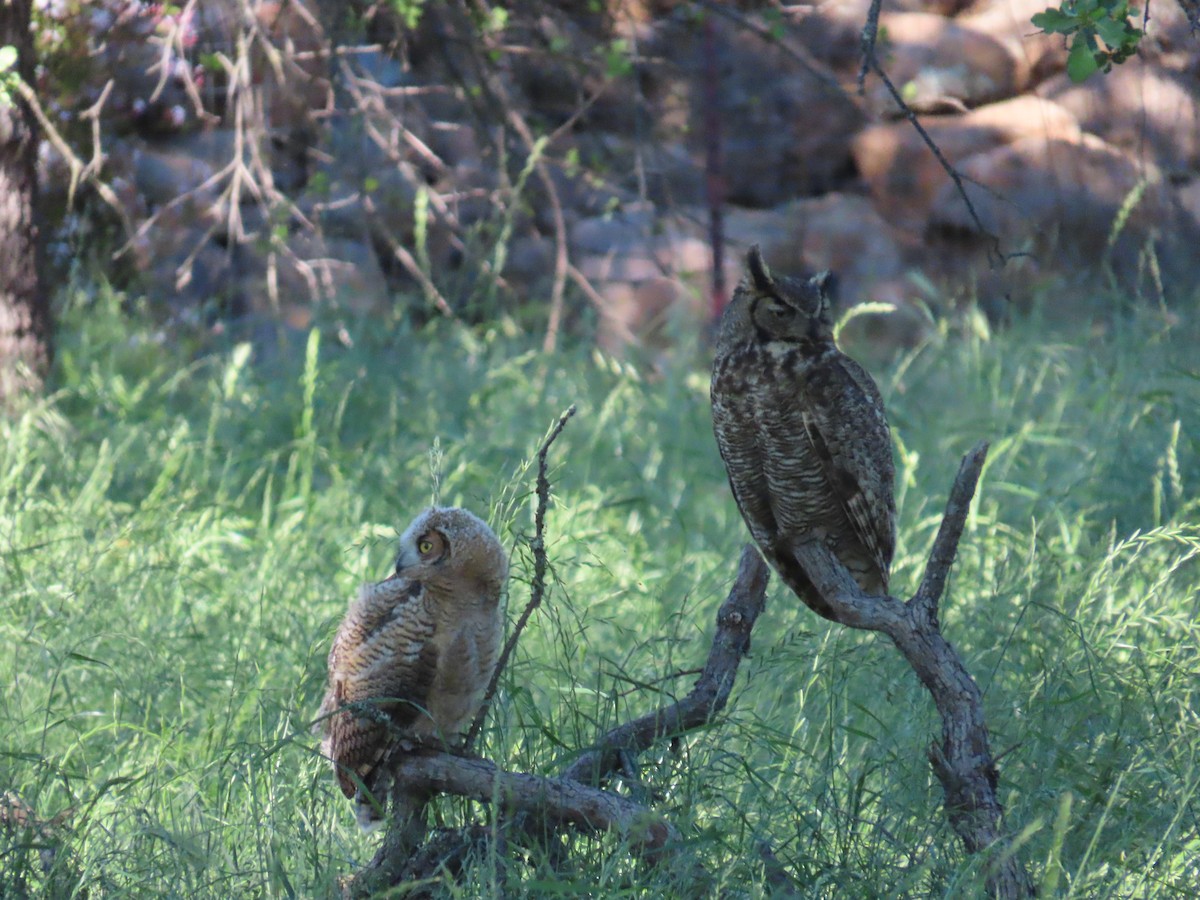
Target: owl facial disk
(426,548)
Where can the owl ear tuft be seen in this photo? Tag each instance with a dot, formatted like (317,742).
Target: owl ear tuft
(823,283)
(760,275)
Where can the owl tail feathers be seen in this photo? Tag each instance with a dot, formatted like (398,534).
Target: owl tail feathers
(370,804)
(370,809)
(368,813)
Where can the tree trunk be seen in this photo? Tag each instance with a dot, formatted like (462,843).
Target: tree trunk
(24,309)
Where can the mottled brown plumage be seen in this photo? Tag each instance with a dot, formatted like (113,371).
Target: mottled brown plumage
(802,430)
(414,653)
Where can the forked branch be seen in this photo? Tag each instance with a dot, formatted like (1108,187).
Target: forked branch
(962,761)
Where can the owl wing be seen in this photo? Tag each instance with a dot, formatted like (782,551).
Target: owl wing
(845,421)
(737,433)
(384,661)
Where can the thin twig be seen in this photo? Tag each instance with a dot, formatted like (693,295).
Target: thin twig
(945,545)
(996,255)
(537,588)
(870,62)
(870,34)
(714,174)
(517,121)
(406,259)
(79,171)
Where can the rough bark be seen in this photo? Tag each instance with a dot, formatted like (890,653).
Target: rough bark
(24,309)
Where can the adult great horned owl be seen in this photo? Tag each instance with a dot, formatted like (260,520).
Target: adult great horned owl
(414,653)
(802,431)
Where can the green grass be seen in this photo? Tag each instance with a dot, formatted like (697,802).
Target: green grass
(179,538)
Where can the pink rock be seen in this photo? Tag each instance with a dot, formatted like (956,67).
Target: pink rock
(1084,207)
(904,175)
(1040,54)
(1141,107)
(934,61)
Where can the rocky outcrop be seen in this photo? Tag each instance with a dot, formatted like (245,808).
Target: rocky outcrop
(342,182)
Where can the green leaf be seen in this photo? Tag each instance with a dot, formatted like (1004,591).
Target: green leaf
(1112,32)
(1082,62)
(1055,21)
(8,57)
(617,63)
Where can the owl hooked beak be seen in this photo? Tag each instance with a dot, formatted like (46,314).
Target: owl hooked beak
(404,562)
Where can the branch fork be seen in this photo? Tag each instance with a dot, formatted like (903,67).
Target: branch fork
(575,800)
(962,761)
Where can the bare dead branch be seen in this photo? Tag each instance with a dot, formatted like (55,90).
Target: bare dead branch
(554,802)
(963,760)
(945,545)
(537,588)
(735,621)
(551,804)
(446,853)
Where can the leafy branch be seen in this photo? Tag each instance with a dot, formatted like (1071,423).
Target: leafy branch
(1100,30)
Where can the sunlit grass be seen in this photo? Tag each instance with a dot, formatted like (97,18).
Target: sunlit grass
(179,538)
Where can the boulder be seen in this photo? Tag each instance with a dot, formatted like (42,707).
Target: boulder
(636,244)
(641,313)
(1189,199)
(903,174)
(1083,205)
(1009,21)
(845,234)
(1144,108)
(936,63)
(1170,38)
(785,125)
(832,32)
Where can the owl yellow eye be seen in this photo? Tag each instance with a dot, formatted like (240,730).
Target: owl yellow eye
(431,546)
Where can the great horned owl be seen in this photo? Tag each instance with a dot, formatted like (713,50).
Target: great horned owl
(414,653)
(802,431)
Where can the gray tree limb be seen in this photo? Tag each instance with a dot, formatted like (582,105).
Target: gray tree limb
(962,760)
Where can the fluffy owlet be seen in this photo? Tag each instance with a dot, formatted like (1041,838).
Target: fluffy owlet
(802,431)
(414,653)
